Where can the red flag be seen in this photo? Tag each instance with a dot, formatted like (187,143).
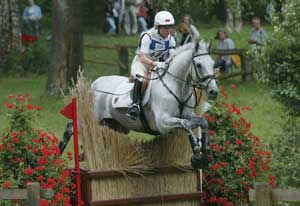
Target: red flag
(67,111)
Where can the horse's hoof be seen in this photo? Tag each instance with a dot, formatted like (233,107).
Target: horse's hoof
(199,161)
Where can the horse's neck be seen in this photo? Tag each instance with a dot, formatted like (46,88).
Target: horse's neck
(180,68)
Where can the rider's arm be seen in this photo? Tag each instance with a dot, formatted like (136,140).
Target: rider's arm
(144,51)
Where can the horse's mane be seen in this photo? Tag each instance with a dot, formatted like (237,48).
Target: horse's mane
(186,47)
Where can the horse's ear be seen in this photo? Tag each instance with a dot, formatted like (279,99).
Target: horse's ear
(197,46)
(209,45)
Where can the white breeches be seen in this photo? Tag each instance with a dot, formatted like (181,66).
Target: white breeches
(138,68)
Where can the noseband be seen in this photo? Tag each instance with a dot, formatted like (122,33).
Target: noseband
(201,81)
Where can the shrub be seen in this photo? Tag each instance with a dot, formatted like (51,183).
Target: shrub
(279,58)
(31,155)
(286,150)
(33,60)
(238,158)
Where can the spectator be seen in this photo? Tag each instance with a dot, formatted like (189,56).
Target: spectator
(189,32)
(150,13)
(130,16)
(32,15)
(110,17)
(258,34)
(141,18)
(233,16)
(224,43)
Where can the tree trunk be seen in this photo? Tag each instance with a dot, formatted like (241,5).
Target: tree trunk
(66,50)
(9,27)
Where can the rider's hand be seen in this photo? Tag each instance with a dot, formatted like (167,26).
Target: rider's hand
(160,65)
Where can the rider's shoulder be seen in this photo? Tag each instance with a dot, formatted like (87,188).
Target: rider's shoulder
(150,32)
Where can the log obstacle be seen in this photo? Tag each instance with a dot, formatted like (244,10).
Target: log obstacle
(150,186)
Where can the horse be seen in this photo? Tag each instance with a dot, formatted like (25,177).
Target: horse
(171,100)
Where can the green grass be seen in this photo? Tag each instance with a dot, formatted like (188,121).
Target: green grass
(266,117)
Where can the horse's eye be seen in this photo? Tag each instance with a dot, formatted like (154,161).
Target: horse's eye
(198,65)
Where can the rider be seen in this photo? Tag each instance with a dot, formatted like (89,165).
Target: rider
(155,46)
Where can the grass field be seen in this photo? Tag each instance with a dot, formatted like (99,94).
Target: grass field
(266,117)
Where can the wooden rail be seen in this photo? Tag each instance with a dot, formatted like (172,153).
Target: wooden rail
(87,176)
(263,195)
(123,59)
(32,194)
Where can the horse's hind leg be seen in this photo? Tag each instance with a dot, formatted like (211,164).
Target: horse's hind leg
(115,125)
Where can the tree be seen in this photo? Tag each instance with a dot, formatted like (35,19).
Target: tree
(66,49)
(9,27)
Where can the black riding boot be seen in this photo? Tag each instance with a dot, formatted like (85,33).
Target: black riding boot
(134,110)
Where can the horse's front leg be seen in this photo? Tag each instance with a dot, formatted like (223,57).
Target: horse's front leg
(168,122)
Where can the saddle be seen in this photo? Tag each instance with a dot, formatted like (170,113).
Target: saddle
(124,101)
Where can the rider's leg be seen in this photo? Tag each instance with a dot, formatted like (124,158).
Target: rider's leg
(134,110)
(138,69)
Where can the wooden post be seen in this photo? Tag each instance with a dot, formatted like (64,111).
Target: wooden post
(33,194)
(123,60)
(86,186)
(243,66)
(263,194)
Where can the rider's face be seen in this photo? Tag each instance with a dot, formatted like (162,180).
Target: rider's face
(165,31)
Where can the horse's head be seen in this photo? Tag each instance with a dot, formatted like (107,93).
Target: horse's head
(203,69)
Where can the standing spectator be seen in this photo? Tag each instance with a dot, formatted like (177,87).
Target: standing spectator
(258,34)
(233,15)
(224,61)
(31,17)
(141,17)
(189,32)
(130,16)
(110,17)
(150,13)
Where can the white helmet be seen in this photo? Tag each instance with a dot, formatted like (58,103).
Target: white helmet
(163,18)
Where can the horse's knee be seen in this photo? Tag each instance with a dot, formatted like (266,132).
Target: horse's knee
(203,123)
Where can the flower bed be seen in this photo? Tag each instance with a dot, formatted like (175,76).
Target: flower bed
(28,155)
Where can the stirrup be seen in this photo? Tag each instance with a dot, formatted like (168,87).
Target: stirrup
(133,112)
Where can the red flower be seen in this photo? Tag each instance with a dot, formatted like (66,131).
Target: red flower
(233,86)
(58,196)
(44,202)
(238,142)
(70,156)
(212,199)
(40,178)
(9,105)
(10,96)
(29,171)
(20,98)
(30,106)
(15,139)
(211,133)
(239,171)
(39,108)
(272,180)
(7,185)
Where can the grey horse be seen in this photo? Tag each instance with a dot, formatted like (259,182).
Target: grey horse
(171,100)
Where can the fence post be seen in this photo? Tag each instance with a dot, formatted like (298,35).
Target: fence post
(243,66)
(86,186)
(33,194)
(123,60)
(263,194)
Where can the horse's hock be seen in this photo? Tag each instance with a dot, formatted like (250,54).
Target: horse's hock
(122,171)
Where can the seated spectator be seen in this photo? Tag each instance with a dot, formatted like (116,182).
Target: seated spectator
(111,27)
(258,34)
(31,17)
(189,32)
(141,17)
(224,61)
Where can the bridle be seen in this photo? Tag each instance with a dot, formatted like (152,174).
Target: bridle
(200,85)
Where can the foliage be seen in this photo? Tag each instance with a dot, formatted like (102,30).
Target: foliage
(286,150)
(31,155)
(33,60)
(238,158)
(280,57)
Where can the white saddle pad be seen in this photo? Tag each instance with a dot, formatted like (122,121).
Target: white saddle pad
(124,101)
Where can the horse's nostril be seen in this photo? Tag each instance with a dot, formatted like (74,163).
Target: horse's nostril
(212,94)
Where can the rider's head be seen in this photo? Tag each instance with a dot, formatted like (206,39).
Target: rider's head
(164,21)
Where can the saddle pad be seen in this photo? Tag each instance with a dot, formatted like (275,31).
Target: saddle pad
(124,101)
